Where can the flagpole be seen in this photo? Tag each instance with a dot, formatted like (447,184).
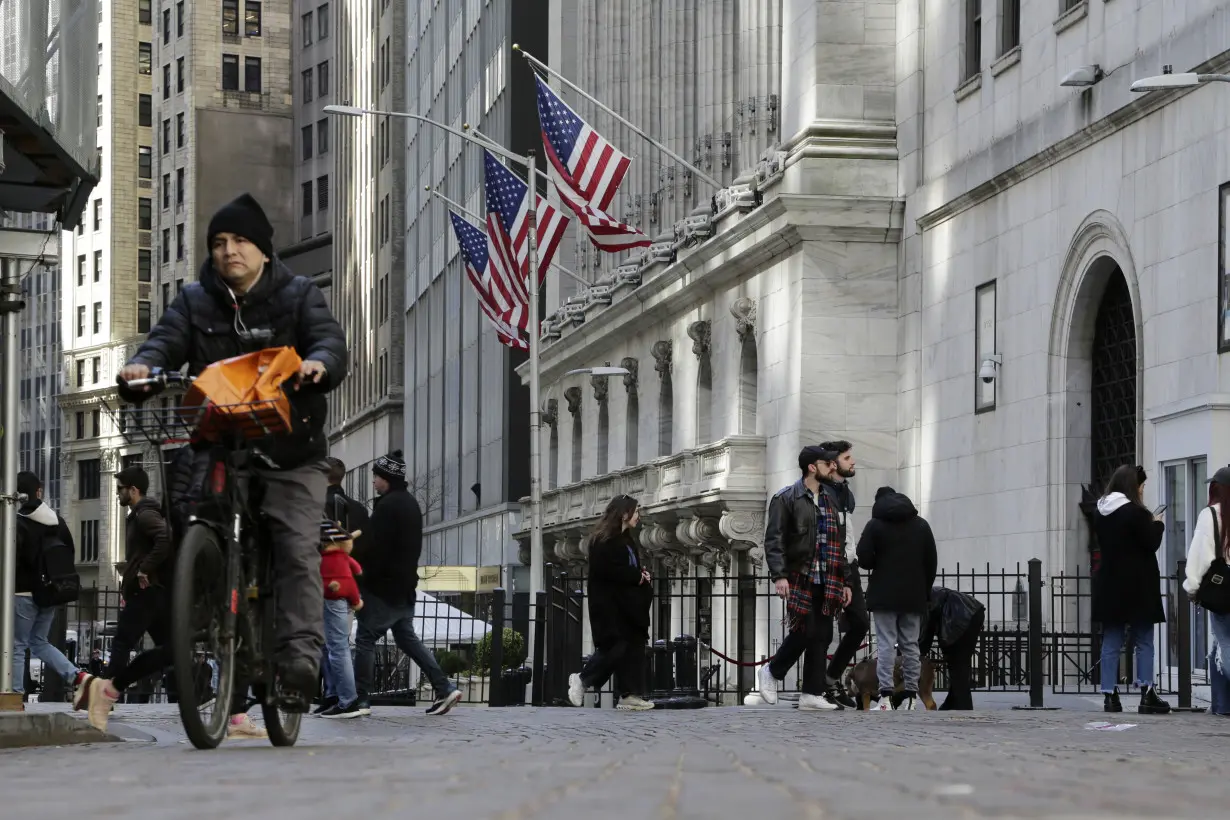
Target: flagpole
(483,225)
(536,548)
(534,61)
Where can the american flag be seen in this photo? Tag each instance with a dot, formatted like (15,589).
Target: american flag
(503,318)
(606,234)
(508,230)
(586,161)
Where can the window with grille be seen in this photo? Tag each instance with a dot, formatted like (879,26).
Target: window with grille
(230,72)
(89,541)
(322,193)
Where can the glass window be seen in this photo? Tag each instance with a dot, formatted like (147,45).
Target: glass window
(145,162)
(179,75)
(80,320)
(1185,494)
(179,186)
(179,241)
(251,19)
(322,136)
(96,368)
(98,214)
(98,317)
(307,85)
(97,266)
(322,193)
(81,269)
(144,266)
(230,17)
(306,20)
(166,136)
(100,111)
(143,316)
(166,26)
(145,12)
(322,21)
(179,19)
(166,246)
(89,470)
(322,78)
(166,295)
(166,191)
(179,131)
(230,72)
(307,198)
(144,214)
(307,131)
(145,110)
(145,58)
(252,74)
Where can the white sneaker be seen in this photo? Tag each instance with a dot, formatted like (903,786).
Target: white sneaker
(245,729)
(815,703)
(634,703)
(768,685)
(884,704)
(910,704)
(98,703)
(576,690)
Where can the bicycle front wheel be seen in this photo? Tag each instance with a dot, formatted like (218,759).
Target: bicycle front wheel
(200,601)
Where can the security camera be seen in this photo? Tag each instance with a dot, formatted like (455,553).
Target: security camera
(987,370)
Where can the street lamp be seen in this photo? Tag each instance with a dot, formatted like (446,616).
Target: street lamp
(528,160)
(1188,79)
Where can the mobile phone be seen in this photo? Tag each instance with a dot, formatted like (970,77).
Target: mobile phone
(1161,509)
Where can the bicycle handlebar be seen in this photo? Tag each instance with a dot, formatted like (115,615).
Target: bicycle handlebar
(158,379)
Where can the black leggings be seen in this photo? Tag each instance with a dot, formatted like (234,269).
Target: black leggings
(625,660)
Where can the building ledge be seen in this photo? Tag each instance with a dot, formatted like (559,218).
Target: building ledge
(1071,17)
(1006,61)
(968,88)
(387,405)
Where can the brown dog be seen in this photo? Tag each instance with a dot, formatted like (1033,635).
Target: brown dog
(864,685)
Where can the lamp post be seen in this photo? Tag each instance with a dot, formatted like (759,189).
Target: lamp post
(1166,81)
(528,160)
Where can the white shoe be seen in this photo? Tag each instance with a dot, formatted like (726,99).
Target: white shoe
(245,730)
(768,685)
(910,704)
(815,703)
(884,704)
(576,690)
(634,703)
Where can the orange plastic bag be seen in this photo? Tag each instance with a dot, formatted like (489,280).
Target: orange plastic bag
(245,393)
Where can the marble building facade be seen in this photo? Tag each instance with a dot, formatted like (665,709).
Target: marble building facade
(927,201)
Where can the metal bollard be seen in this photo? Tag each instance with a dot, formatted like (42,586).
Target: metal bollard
(1183,616)
(495,695)
(540,637)
(685,666)
(1036,655)
(663,675)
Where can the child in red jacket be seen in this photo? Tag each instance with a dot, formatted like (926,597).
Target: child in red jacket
(337,569)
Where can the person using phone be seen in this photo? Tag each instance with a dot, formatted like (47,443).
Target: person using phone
(1127,597)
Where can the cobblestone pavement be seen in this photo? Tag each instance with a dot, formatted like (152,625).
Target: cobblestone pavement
(710,763)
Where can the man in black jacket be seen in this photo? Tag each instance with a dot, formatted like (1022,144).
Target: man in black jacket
(854,617)
(390,561)
(246,300)
(807,562)
(35,522)
(899,549)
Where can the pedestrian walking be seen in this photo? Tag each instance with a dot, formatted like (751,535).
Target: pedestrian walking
(146,587)
(954,621)
(897,546)
(1211,541)
(390,562)
(338,572)
(1127,596)
(853,620)
(46,579)
(810,572)
(350,516)
(619,596)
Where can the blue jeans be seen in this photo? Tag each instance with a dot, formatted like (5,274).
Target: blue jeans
(1113,638)
(30,627)
(1219,665)
(339,671)
(375,619)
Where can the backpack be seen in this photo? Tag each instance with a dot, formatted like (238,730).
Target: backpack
(56,570)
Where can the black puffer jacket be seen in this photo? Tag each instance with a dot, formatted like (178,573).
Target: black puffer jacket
(147,546)
(899,549)
(203,326)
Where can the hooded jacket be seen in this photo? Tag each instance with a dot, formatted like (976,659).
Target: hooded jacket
(205,324)
(1127,585)
(898,547)
(390,556)
(147,546)
(33,518)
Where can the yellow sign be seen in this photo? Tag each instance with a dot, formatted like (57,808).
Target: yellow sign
(459,579)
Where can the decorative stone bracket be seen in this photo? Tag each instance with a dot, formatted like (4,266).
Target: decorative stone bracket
(630,378)
(573,396)
(600,386)
(744,311)
(662,353)
(701,335)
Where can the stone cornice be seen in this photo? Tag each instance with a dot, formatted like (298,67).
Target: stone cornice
(781,223)
(1116,120)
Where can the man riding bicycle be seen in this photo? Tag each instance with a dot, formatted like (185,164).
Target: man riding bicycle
(247,300)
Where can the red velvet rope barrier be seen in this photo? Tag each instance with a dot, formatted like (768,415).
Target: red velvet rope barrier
(729,659)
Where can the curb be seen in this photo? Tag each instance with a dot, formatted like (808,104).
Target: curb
(27,729)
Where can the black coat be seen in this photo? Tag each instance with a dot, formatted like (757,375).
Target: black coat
(390,556)
(950,617)
(1127,585)
(618,601)
(203,325)
(147,546)
(899,549)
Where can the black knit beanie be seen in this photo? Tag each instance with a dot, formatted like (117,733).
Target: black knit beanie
(244,217)
(391,467)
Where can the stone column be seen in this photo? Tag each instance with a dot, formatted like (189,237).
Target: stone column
(839,96)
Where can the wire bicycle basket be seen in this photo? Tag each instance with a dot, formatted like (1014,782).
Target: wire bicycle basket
(182,424)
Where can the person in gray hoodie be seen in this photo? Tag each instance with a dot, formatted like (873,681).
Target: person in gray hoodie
(898,547)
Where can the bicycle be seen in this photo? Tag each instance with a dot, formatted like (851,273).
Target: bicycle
(222,597)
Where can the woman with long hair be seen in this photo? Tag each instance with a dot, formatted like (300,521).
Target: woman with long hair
(1127,593)
(619,597)
(1212,538)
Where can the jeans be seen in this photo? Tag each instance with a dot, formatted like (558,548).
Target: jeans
(812,638)
(339,670)
(375,619)
(30,626)
(623,659)
(857,624)
(1113,638)
(1219,665)
(898,631)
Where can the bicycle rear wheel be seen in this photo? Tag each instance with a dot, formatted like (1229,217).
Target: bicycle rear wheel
(283,726)
(200,601)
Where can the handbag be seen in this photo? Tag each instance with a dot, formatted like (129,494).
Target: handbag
(1214,591)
